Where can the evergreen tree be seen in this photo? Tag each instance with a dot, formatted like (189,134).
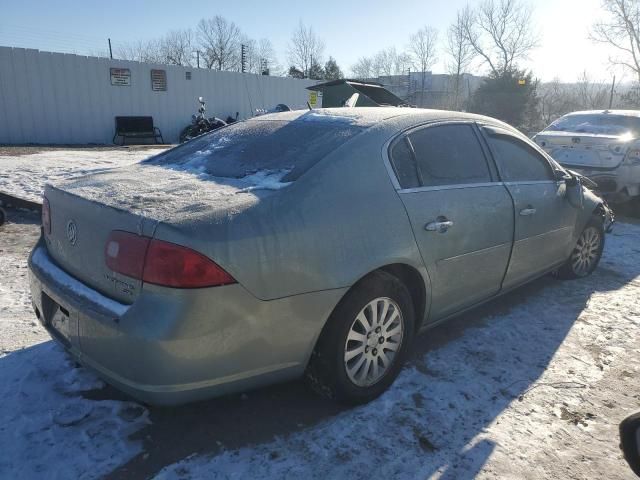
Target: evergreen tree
(295,73)
(510,97)
(316,72)
(332,70)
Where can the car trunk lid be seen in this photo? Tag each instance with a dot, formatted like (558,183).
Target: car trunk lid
(85,210)
(584,150)
(79,230)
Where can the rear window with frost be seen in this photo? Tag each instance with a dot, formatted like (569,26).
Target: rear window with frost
(599,124)
(247,148)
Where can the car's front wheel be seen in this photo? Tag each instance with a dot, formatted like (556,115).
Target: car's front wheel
(364,344)
(587,253)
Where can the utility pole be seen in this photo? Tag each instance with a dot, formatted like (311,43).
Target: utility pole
(613,84)
(243,58)
(110,51)
(198,58)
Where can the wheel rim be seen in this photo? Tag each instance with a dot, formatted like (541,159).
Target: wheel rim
(373,341)
(586,253)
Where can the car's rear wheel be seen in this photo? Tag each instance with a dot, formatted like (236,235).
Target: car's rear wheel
(364,344)
(587,253)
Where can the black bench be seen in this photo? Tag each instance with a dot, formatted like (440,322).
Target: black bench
(136,127)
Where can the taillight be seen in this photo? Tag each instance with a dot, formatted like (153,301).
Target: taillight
(617,149)
(124,253)
(176,266)
(46,216)
(633,156)
(162,263)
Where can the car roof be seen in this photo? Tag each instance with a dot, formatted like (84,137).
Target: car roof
(626,113)
(369,116)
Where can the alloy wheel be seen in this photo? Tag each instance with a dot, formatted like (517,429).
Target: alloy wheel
(587,251)
(373,341)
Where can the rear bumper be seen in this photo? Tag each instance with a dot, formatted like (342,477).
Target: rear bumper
(618,184)
(175,346)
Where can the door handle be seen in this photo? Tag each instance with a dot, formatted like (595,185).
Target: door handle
(441,225)
(527,211)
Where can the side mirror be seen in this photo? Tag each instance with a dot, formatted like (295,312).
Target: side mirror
(564,177)
(574,191)
(630,441)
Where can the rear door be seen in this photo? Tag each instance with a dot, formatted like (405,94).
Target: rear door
(462,217)
(544,218)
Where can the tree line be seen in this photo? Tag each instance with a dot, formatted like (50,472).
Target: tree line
(494,37)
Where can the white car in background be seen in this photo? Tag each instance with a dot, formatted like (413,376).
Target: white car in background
(601,145)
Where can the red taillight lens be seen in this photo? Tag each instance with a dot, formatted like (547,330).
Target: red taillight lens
(162,263)
(46,216)
(124,253)
(172,265)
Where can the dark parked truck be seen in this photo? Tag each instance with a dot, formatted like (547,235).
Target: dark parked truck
(315,243)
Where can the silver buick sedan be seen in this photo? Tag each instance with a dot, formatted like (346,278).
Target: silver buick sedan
(310,243)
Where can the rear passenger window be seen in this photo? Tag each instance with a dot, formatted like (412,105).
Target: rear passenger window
(404,164)
(449,155)
(517,161)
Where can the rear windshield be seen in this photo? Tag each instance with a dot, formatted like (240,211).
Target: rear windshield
(599,124)
(283,147)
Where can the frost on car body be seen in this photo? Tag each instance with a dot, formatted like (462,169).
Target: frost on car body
(283,222)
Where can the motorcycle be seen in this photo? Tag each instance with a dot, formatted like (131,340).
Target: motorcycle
(200,124)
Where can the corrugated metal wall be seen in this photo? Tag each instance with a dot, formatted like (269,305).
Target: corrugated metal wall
(68,99)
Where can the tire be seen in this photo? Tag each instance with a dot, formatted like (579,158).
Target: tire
(586,255)
(188,133)
(331,374)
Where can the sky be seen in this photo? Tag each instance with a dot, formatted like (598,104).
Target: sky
(350,29)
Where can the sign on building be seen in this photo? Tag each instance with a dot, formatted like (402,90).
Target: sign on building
(315,99)
(159,80)
(120,77)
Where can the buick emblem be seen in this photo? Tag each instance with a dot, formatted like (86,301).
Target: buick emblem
(72,232)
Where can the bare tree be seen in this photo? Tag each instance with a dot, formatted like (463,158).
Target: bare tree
(146,51)
(305,49)
(403,63)
(621,30)
(177,47)
(219,40)
(423,46)
(556,99)
(267,54)
(460,54)
(500,32)
(591,95)
(363,69)
(260,55)
(389,61)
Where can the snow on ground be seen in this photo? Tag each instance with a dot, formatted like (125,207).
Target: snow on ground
(48,429)
(25,175)
(532,385)
(536,391)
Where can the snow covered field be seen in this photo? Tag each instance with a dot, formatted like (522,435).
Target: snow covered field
(25,175)
(532,385)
